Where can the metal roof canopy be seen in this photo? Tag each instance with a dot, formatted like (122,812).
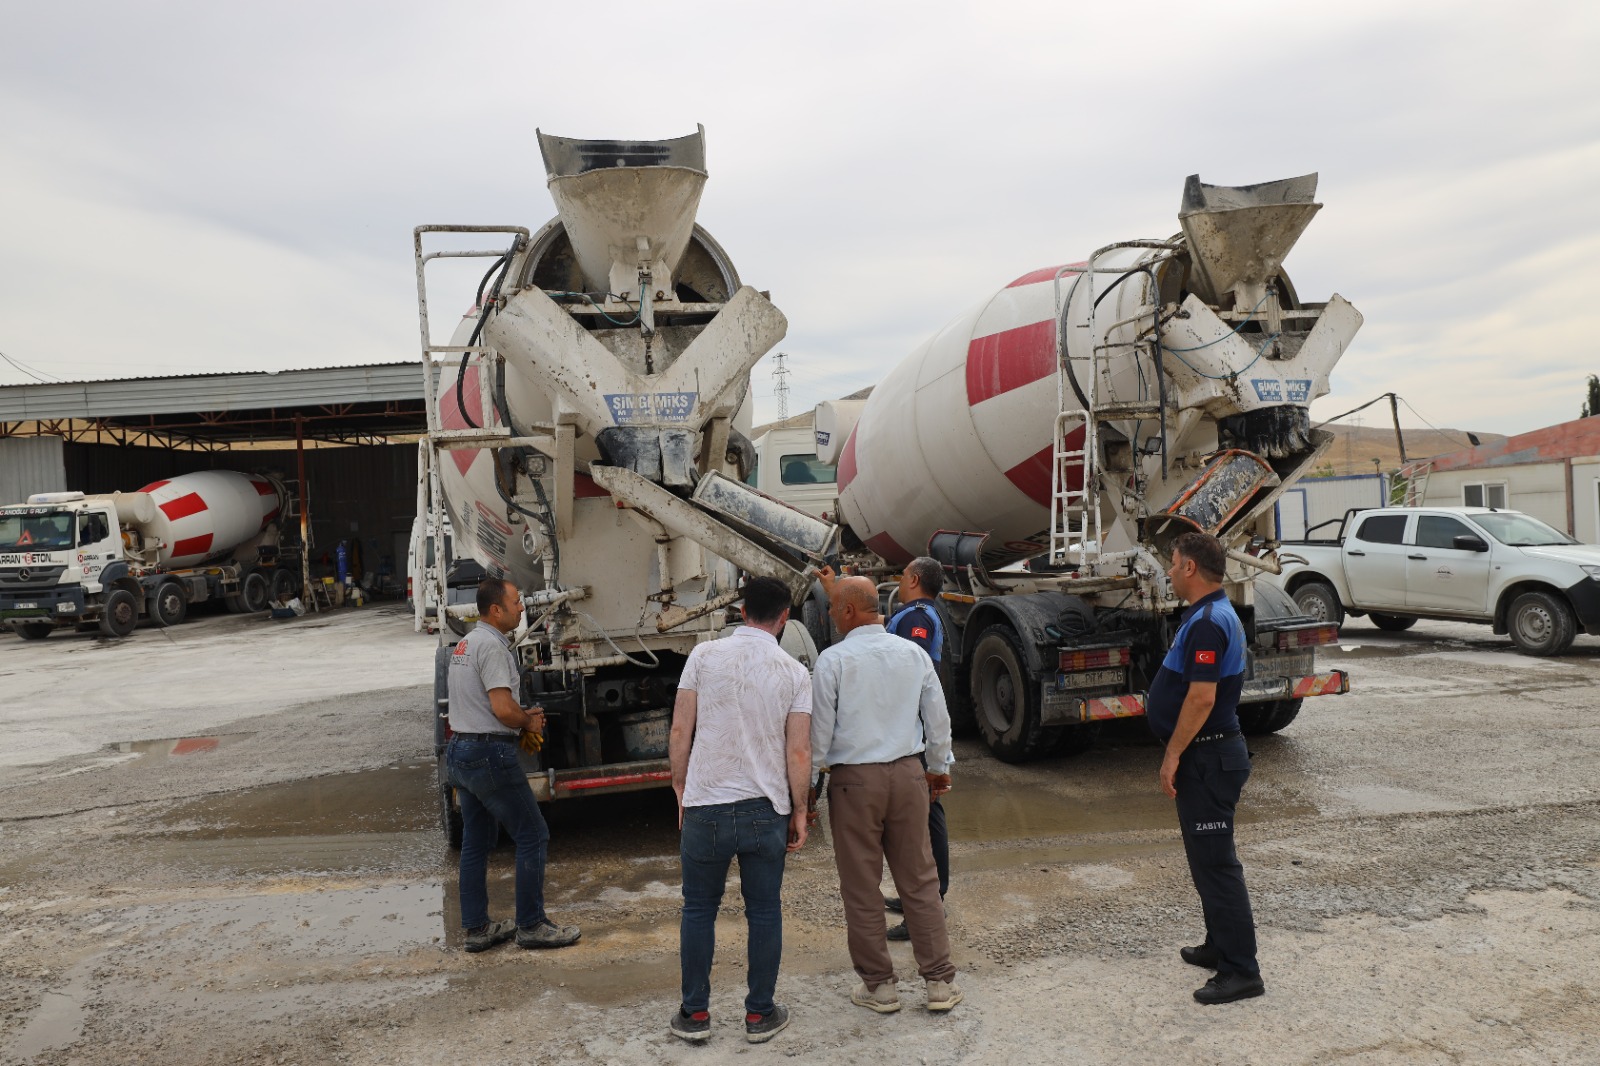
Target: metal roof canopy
(350,405)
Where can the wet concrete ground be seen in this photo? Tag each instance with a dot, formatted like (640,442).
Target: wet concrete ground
(1424,856)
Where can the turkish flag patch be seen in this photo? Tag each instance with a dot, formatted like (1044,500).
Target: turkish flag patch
(919,632)
(1207,657)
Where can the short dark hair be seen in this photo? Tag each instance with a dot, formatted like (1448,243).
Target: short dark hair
(929,574)
(491,590)
(765,599)
(1205,552)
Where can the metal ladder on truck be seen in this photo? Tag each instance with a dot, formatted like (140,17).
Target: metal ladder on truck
(1075,512)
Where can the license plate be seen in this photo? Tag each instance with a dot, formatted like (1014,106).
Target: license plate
(26,607)
(1089,679)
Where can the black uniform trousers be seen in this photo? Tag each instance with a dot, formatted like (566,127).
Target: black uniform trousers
(1210,778)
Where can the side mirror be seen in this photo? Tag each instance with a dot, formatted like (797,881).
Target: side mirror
(1468,543)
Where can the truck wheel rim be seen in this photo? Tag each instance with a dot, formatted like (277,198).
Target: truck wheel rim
(999,690)
(1535,623)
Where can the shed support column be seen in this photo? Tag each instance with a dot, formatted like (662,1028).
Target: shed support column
(305,518)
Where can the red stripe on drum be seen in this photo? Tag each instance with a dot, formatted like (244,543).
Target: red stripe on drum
(183,506)
(263,487)
(888,549)
(1032,475)
(847,461)
(1044,274)
(192,546)
(1010,359)
(450,416)
(154,485)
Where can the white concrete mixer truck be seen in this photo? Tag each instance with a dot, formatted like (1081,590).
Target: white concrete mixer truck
(71,559)
(1076,422)
(586,432)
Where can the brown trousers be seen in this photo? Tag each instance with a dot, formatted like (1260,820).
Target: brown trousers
(878,811)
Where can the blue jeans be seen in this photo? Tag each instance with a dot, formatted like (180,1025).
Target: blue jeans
(493,788)
(712,836)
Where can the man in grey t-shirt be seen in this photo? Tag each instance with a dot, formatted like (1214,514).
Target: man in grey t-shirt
(482,764)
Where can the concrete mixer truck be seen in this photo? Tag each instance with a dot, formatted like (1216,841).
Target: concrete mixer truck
(1076,422)
(71,559)
(587,437)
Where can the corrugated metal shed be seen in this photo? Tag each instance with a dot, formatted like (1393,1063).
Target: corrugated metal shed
(29,465)
(376,383)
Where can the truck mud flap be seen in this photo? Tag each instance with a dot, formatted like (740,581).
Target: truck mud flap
(1065,708)
(594,780)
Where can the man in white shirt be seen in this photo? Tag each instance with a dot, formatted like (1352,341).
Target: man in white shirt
(876,707)
(741,764)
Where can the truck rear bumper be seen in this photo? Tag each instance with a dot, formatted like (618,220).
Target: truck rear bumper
(60,602)
(1261,690)
(594,780)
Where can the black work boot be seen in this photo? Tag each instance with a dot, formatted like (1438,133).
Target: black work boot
(1202,955)
(1225,988)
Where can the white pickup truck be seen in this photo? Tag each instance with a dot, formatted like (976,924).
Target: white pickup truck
(1465,564)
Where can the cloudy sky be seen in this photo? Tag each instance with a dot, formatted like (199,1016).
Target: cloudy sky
(190,187)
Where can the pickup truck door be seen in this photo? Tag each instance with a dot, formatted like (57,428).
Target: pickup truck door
(1440,576)
(1374,558)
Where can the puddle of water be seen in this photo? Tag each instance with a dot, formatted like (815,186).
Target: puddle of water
(174,747)
(985,811)
(391,799)
(296,921)
(56,1023)
(1383,799)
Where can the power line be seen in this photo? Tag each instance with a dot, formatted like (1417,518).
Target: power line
(39,376)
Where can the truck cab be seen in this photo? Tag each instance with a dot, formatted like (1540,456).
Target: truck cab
(55,552)
(1473,564)
(788,469)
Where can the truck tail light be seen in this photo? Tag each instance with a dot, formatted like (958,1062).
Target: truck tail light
(1307,637)
(1094,658)
(408,588)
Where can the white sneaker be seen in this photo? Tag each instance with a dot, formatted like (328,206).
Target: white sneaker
(885,999)
(942,995)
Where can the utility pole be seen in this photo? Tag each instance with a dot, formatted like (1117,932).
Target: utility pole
(780,389)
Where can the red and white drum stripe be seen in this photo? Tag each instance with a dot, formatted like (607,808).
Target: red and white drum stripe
(209,513)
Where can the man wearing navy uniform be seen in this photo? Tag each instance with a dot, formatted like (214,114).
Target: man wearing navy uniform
(917,620)
(1193,707)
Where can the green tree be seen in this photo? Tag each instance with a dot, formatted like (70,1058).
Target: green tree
(1591,406)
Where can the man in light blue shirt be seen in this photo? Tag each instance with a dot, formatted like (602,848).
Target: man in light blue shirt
(876,707)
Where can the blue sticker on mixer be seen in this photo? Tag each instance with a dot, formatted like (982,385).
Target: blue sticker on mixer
(1269,390)
(1299,389)
(650,408)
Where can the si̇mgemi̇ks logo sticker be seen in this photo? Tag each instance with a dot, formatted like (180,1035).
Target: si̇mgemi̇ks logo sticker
(1207,657)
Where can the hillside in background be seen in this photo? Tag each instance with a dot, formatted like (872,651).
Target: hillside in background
(1355,447)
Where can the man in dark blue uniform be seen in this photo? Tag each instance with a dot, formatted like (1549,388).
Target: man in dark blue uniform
(1193,707)
(917,620)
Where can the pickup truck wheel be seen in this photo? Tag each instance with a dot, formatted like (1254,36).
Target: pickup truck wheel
(121,614)
(32,630)
(1257,719)
(1318,600)
(168,605)
(1004,699)
(1392,623)
(1541,624)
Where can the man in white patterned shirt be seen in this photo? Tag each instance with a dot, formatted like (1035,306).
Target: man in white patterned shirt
(741,765)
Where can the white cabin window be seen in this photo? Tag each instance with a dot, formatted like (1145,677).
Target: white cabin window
(1484,494)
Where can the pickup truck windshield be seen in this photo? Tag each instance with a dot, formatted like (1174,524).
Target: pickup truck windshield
(1520,531)
(36,531)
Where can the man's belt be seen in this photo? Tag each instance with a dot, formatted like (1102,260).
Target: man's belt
(510,738)
(1209,737)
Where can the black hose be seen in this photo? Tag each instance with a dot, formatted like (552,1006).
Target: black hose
(503,265)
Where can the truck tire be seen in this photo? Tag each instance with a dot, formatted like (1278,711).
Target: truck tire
(958,701)
(255,592)
(1004,699)
(285,584)
(1392,623)
(1319,602)
(1541,624)
(1257,719)
(121,614)
(32,630)
(168,605)
(449,812)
